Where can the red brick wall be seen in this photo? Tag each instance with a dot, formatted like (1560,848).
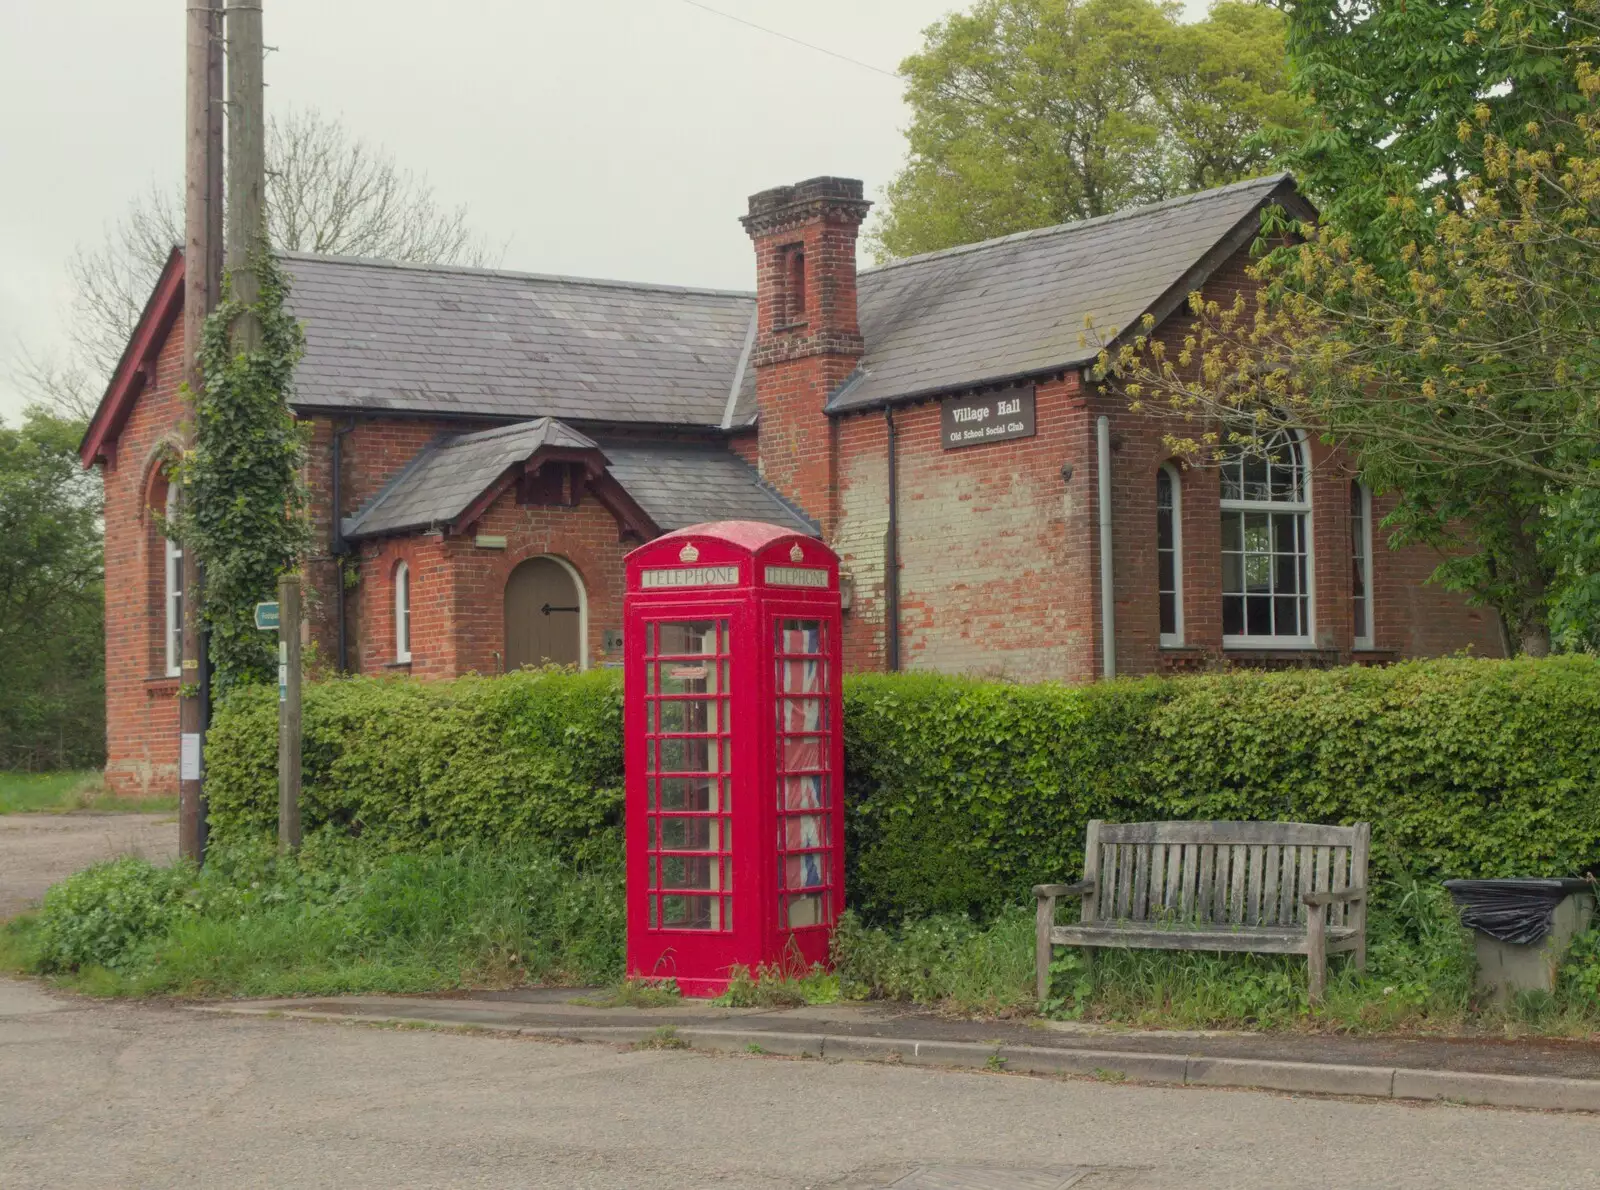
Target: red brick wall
(804,349)
(999,555)
(141,701)
(1411,620)
(747,445)
(374,450)
(458,587)
(990,541)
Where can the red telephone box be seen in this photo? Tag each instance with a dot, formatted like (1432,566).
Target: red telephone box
(734,753)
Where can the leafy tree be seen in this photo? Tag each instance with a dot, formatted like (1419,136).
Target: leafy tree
(1461,366)
(52,651)
(1387,85)
(1033,112)
(327,191)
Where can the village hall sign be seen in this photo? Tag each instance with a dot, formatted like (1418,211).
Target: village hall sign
(989,417)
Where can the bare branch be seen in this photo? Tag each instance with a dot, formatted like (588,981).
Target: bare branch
(328,191)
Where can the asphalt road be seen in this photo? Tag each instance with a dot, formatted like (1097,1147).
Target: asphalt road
(36,850)
(121,1095)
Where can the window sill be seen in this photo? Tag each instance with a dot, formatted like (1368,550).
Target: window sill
(1281,657)
(406,664)
(160,685)
(1261,644)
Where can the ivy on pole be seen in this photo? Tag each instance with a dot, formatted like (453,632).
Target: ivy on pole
(245,514)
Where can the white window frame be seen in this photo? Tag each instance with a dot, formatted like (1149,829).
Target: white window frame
(1364,640)
(1302,508)
(173,593)
(1174,639)
(402,612)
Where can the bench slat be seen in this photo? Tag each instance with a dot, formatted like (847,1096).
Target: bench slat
(1089,907)
(1286,886)
(1337,882)
(1252,908)
(1295,833)
(1257,941)
(1308,863)
(1219,888)
(1236,886)
(1269,887)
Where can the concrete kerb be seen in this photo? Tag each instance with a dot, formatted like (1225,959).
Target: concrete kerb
(1314,1078)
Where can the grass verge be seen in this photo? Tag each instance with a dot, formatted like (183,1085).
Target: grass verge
(60,793)
(1419,977)
(338,918)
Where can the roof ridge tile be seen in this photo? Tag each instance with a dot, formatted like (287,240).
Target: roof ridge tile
(1267,181)
(380,262)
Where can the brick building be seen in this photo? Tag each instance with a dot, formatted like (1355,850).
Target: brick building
(487,446)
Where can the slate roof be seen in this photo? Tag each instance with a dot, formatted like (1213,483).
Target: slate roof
(682,484)
(1014,306)
(445,478)
(477,342)
(677,484)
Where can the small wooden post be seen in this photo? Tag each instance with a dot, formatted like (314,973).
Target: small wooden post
(1317,951)
(1044,920)
(288,713)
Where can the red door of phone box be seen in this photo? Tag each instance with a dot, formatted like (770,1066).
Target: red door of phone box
(734,753)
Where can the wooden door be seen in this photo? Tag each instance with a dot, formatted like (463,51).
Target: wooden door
(542,615)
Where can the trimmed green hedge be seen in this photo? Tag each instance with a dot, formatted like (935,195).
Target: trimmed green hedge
(532,755)
(962,793)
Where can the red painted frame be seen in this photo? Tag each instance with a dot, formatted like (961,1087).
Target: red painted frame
(700,959)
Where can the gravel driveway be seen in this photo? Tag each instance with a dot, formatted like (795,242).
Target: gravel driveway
(36,850)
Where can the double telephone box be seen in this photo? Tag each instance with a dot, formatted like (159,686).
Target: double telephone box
(734,753)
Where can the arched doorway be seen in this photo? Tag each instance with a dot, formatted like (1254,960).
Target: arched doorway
(546,614)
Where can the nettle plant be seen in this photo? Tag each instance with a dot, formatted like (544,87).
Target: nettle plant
(245,515)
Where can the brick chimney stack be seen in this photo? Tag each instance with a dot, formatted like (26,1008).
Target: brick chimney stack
(808,339)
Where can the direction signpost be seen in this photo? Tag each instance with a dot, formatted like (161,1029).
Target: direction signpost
(283,617)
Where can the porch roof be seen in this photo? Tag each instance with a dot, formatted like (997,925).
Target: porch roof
(672,484)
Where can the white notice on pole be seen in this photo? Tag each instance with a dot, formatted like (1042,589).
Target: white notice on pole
(189,760)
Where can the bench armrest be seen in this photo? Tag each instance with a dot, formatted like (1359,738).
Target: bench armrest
(1063,890)
(1344,895)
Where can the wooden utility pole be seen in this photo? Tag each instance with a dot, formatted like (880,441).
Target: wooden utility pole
(202,220)
(288,712)
(247,168)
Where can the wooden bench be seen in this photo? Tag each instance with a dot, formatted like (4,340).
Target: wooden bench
(1262,887)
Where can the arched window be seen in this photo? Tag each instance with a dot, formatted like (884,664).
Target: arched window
(1169,554)
(1361,564)
(402,612)
(174,591)
(1266,542)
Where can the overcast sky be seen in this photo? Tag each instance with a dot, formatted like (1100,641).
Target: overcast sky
(603,138)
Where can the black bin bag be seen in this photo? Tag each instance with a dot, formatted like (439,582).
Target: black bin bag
(1515,911)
